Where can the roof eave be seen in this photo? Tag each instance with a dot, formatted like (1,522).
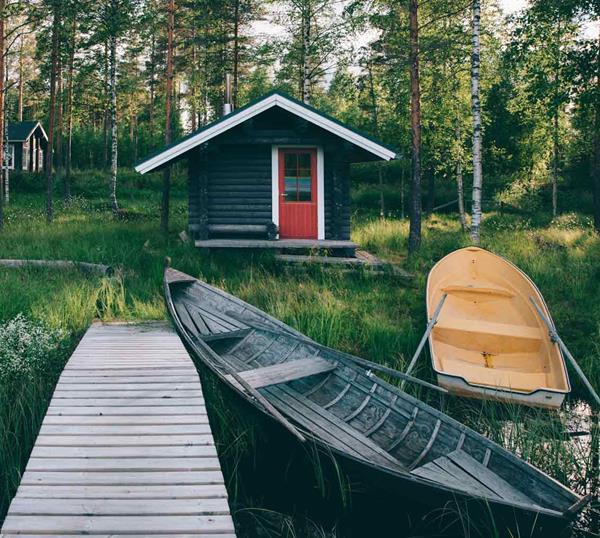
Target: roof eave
(275,99)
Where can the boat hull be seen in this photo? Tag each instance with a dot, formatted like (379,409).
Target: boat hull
(540,398)
(388,441)
(488,341)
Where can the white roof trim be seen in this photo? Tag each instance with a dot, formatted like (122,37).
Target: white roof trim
(257,108)
(38,124)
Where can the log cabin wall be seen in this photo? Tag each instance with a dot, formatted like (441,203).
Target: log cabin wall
(230,178)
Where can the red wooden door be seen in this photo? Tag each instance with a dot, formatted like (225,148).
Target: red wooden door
(298,193)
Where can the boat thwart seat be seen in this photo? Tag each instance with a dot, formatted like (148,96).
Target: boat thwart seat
(284,372)
(489,289)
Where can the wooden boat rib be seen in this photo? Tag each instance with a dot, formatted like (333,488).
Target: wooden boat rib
(489,340)
(350,412)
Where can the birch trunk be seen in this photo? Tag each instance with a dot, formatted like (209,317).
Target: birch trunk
(306,36)
(51,117)
(114,149)
(21,85)
(166,194)
(414,236)
(476,112)
(459,175)
(6,169)
(59,115)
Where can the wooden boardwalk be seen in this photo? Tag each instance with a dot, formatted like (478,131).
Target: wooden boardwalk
(125,448)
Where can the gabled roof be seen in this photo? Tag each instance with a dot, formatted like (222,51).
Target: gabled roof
(272,99)
(19,131)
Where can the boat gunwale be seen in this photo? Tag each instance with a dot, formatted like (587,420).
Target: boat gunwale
(209,357)
(506,390)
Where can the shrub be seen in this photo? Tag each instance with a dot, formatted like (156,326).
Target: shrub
(28,350)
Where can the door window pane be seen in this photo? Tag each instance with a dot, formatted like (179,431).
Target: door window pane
(298,177)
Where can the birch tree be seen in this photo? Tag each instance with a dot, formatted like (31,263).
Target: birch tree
(476,113)
(2,89)
(113,18)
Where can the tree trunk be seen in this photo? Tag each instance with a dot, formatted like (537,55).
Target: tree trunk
(107,83)
(555,122)
(6,169)
(414,236)
(21,85)
(596,142)
(236,51)
(375,117)
(113,125)
(152,70)
(52,114)
(164,221)
(555,162)
(459,175)
(71,72)
(59,115)
(476,112)
(306,45)
(193,94)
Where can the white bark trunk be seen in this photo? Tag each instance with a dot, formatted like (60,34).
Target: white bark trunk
(113,124)
(306,20)
(476,112)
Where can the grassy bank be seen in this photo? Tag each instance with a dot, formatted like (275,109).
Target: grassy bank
(377,318)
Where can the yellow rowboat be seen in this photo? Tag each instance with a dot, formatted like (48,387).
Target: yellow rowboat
(490,340)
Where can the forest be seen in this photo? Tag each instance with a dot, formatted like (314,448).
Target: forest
(114,80)
(493,110)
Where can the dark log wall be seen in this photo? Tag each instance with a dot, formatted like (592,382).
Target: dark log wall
(239,185)
(337,197)
(236,171)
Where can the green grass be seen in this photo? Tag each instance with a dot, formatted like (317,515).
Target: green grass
(378,318)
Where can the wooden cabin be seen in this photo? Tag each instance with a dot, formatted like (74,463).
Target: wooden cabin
(275,173)
(27,144)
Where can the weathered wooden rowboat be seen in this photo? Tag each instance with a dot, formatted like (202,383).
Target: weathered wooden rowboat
(400,443)
(488,340)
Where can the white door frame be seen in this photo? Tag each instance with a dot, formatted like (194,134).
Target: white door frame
(320,185)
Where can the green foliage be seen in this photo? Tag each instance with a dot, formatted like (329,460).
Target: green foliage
(26,350)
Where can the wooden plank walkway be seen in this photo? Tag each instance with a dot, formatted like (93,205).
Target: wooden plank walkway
(125,448)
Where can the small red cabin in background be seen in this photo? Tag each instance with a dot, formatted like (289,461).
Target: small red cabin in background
(275,173)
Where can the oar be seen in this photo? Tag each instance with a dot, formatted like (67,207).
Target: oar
(426,334)
(555,338)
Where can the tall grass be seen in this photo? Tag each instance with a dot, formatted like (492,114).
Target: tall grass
(377,318)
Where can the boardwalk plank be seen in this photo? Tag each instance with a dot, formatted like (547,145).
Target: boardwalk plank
(124,440)
(125,429)
(125,448)
(197,491)
(115,524)
(119,507)
(130,420)
(123,451)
